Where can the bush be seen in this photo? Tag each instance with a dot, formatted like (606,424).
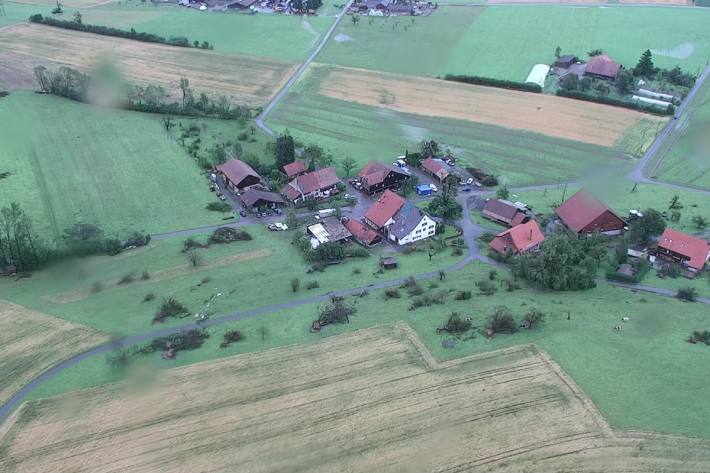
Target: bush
(97,287)
(312,285)
(357,271)
(148,297)
(501,321)
(392,293)
(136,239)
(463,295)
(230,337)
(700,337)
(457,251)
(336,312)
(192,244)
(486,287)
(228,235)
(219,207)
(194,258)
(573,94)
(170,307)
(187,340)
(428,300)
(295,284)
(688,294)
(145,275)
(127,278)
(503,84)
(455,324)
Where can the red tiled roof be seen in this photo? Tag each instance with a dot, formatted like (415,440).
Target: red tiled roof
(305,184)
(518,239)
(236,171)
(435,167)
(361,232)
(693,248)
(295,168)
(374,173)
(385,208)
(581,210)
(503,210)
(603,65)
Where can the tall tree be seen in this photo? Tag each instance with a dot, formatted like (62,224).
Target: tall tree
(184,87)
(19,245)
(625,82)
(650,225)
(645,66)
(503,192)
(348,164)
(285,149)
(429,148)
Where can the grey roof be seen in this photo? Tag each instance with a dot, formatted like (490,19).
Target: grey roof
(406,220)
(336,230)
(252,196)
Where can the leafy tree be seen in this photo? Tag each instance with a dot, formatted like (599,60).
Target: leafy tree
(285,149)
(570,82)
(585,83)
(501,321)
(77,18)
(348,164)
(675,203)
(355,18)
(445,204)
(700,221)
(503,193)
(602,88)
(184,87)
(688,294)
(675,216)
(533,317)
(625,82)
(558,51)
(455,324)
(19,245)
(645,66)
(595,52)
(429,148)
(650,225)
(336,312)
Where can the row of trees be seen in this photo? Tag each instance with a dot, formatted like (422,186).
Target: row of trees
(20,246)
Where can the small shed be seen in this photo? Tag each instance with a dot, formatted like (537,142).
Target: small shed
(538,75)
(389,262)
(423,189)
(565,61)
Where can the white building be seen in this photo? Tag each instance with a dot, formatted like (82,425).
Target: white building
(410,224)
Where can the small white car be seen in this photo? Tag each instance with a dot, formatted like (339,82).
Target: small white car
(469,181)
(433,188)
(278,227)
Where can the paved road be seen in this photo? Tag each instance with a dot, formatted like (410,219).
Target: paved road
(299,72)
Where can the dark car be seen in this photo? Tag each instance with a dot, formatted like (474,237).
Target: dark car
(466,189)
(242,213)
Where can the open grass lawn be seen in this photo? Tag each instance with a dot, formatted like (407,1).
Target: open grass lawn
(507,41)
(73,163)
(370,400)
(648,356)
(688,159)
(16,13)
(248,274)
(366,133)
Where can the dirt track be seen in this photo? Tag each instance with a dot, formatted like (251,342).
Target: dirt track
(541,113)
(244,79)
(362,401)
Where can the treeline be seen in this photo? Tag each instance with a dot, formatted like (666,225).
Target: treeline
(573,94)
(75,85)
(503,84)
(180,41)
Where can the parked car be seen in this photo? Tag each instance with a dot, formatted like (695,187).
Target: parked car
(466,189)
(434,188)
(469,181)
(450,162)
(277,227)
(324,213)
(278,211)
(242,213)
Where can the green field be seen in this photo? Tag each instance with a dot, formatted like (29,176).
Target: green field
(73,163)
(648,356)
(248,274)
(688,160)
(365,133)
(507,41)
(17,13)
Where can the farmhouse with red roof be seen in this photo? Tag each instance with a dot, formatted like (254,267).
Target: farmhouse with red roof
(677,247)
(295,168)
(376,177)
(311,185)
(401,221)
(583,213)
(602,67)
(362,233)
(382,212)
(519,239)
(238,175)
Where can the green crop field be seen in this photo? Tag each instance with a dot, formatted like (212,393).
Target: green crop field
(72,163)
(17,13)
(507,41)
(365,133)
(649,355)
(688,160)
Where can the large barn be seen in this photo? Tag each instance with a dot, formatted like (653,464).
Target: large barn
(238,175)
(583,213)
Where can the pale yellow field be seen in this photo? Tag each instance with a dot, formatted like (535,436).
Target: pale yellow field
(31,342)
(367,401)
(541,113)
(245,80)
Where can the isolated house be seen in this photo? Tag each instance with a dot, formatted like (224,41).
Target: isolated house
(602,67)
(295,169)
(677,247)
(376,177)
(436,168)
(382,212)
(410,224)
(362,233)
(583,213)
(238,175)
(504,212)
(519,239)
(328,230)
(311,185)
(257,198)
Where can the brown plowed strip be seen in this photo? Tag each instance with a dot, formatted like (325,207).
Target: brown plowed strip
(540,113)
(245,80)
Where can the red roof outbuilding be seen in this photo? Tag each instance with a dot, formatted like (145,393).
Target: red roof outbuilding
(603,66)
(306,184)
(519,239)
(694,250)
(384,209)
(362,233)
(436,168)
(584,213)
(295,168)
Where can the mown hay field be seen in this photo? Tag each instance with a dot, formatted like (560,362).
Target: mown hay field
(74,163)
(506,41)
(371,400)
(538,113)
(31,342)
(245,80)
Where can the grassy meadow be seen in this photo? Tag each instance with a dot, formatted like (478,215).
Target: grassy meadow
(73,163)
(507,41)
(649,355)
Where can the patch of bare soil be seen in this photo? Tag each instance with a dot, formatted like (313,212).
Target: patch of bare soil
(31,342)
(360,402)
(540,113)
(245,80)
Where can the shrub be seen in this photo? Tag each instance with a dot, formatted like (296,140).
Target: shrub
(148,297)
(463,295)
(457,251)
(392,293)
(228,235)
(127,278)
(295,284)
(415,290)
(170,307)
(336,312)
(532,318)
(670,110)
(501,321)
(492,274)
(428,300)
(136,239)
(503,84)
(230,337)
(219,207)
(487,237)
(455,324)
(357,271)
(700,337)
(688,294)
(145,275)
(194,258)
(312,285)
(486,287)
(187,340)
(318,267)
(97,287)
(191,244)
